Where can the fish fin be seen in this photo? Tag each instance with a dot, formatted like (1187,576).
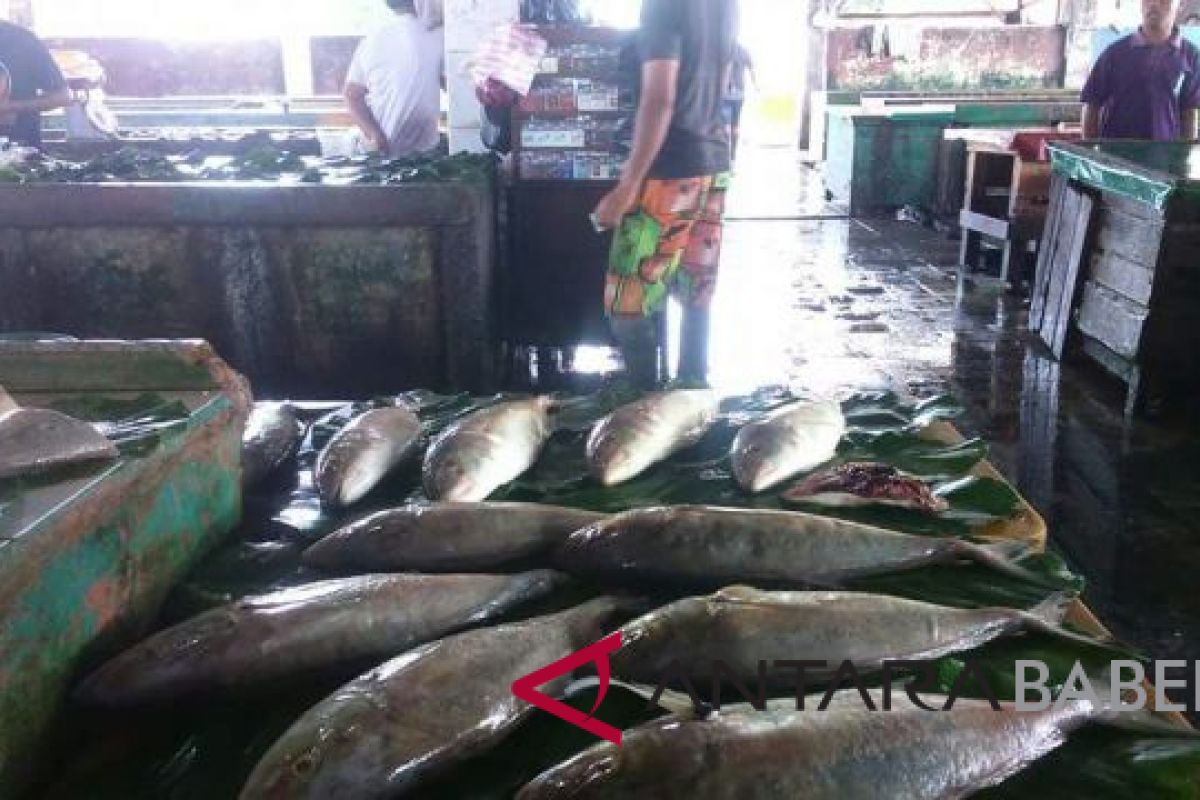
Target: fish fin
(1047,617)
(674,703)
(1134,720)
(7,404)
(1002,556)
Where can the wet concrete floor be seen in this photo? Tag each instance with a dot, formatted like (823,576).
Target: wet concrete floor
(828,305)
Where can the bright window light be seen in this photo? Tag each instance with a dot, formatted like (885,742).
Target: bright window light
(212,19)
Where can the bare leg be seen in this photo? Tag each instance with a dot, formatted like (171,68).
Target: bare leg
(638,339)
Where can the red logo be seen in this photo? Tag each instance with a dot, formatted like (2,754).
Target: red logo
(527,688)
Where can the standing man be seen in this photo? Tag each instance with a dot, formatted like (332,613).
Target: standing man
(1147,85)
(394,89)
(668,205)
(34,82)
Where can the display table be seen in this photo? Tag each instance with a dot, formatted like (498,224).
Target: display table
(1118,261)
(1007,190)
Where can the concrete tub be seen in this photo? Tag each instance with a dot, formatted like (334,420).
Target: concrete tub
(314,291)
(88,555)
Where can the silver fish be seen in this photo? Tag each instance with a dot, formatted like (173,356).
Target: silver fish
(448,537)
(37,440)
(723,546)
(488,449)
(637,436)
(389,732)
(272,436)
(361,455)
(794,439)
(742,627)
(846,752)
(306,629)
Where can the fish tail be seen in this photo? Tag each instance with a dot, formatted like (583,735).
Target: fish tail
(1047,617)
(1134,720)
(1002,557)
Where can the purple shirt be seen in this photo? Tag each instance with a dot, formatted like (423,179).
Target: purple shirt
(1142,88)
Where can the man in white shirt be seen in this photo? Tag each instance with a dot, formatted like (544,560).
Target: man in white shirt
(395,83)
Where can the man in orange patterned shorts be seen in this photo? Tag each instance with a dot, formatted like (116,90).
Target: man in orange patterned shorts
(667,208)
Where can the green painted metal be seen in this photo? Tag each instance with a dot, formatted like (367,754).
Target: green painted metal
(1148,172)
(92,557)
(880,160)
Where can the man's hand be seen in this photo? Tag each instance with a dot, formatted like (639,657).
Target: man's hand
(616,205)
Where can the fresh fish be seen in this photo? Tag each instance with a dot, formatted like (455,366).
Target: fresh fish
(794,439)
(867,484)
(723,546)
(637,436)
(448,537)
(363,453)
(37,440)
(741,627)
(842,753)
(387,733)
(272,436)
(304,630)
(490,448)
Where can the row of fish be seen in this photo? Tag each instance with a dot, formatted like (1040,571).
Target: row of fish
(409,720)
(492,447)
(683,545)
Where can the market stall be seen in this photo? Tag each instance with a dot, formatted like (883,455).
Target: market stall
(1117,261)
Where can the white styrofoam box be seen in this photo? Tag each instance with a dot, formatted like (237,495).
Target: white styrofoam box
(466,139)
(464,106)
(468,22)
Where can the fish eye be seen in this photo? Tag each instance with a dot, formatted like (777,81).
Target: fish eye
(305,764)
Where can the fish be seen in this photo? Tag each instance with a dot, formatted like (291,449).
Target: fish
(867,484)
(724,546)
(488,449)
(272,437)
(362,454)
(389,732)
(448,537)
(790,441)
(305,630)
(845,751)
(637,436)
(34,441)
(742,627)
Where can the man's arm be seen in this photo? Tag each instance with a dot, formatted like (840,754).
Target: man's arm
(45,102)
(656,110)
(364,118)
(1091,121)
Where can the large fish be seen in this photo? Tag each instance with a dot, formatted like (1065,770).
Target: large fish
(742,627)
(449,537)
(305,630)
(272,436)
(488,449)
(723,546)
(637,436)
(37,440)
(389,732)
(359,456)
(794,439)
(842,753)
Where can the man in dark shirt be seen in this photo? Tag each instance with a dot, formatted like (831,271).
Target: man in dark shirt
(35,85)
(668,205)
(1146,86)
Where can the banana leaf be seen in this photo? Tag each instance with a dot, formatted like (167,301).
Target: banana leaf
(208,752)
